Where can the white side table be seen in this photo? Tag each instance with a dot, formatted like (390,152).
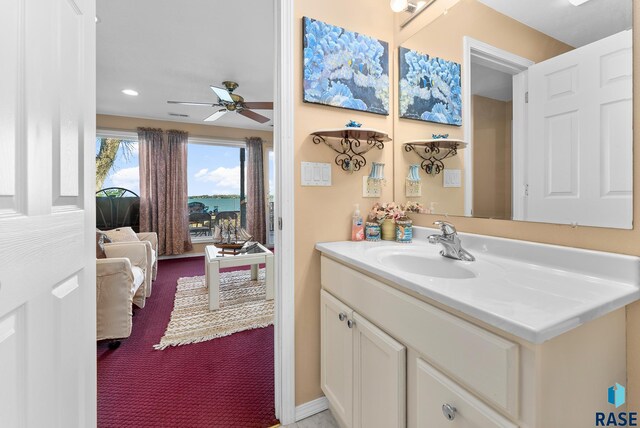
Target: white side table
(214,260)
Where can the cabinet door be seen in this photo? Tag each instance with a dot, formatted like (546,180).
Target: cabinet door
(379,377)
(337,357)
(435,390)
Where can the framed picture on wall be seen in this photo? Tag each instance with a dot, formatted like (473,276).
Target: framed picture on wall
(429,88)
(344,69)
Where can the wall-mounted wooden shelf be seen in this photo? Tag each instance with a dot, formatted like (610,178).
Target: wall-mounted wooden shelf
(434,151)
(353,144)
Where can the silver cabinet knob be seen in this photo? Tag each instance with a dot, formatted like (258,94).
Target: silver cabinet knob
(342,316)
(449,411)
(351,323)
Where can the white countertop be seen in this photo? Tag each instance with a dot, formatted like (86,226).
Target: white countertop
(534,291)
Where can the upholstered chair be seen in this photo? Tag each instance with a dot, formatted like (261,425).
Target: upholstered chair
(150,241)
(119,285)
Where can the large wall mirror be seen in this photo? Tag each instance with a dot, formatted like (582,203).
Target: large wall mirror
(546,110)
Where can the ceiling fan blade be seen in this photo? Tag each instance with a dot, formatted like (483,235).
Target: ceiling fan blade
(253,115)
(259,105)
(217,115)
(189,103)
(223,94)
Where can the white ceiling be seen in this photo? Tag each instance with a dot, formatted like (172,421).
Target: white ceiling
(175,49)
(491,83)
(573,25)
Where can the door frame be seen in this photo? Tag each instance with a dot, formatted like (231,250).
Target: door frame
(283,144)
(474,50)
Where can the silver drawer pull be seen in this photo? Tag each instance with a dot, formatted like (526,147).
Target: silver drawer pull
(351,323)
(342,316)
(449,411)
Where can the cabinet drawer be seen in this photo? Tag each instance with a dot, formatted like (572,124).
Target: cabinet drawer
(476,358)
(434,390)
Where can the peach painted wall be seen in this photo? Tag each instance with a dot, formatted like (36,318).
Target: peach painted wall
(492,160)
(324,213)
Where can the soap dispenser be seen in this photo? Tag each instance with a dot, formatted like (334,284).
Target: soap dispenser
(357,226)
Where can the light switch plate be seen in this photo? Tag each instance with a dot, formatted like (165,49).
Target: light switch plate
(452,178)
(315,174)
(371,189)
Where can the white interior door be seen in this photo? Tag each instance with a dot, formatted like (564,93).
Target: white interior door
(47,214)
(579,148)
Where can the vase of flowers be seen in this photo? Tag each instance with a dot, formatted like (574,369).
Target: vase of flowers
(404,225)
(388,229)
(385,215)
(372,231)
(393,220)
(404,230)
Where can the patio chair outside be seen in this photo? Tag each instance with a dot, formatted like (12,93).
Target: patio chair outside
(200,224)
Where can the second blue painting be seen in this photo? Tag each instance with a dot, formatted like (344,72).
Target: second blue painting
(345,69)
(429,88)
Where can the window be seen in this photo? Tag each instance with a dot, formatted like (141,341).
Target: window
(213,175)
(117,163)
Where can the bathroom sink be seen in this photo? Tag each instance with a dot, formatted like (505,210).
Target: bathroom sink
(422,260)
(535,291)
(427,266)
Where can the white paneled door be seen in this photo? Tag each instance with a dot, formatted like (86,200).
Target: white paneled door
(47,214)
(579,148)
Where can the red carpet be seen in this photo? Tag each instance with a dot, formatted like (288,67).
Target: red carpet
(226,382)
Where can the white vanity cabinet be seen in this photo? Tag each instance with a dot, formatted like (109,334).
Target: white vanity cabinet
(363,369)
(391,359)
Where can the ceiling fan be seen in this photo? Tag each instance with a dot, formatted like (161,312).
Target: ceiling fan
(231,102)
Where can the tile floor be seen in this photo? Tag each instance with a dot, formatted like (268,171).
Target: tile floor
(321,420)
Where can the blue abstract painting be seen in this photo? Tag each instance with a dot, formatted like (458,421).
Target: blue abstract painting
(345,69)
(429,88)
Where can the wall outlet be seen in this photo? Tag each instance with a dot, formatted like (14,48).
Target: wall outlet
(412,189)
(371,188)
(452,178)
(315,174)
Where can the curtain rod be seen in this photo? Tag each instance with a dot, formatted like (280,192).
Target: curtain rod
(115,132)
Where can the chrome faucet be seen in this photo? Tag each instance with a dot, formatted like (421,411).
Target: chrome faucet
(451,244)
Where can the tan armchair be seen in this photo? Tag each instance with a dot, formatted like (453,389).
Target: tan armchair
(119,284)
(150,241)
(152,238)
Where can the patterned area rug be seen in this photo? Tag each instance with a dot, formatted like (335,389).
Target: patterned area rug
(242,307)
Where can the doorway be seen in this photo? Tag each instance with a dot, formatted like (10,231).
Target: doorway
(492,89)
(272,226)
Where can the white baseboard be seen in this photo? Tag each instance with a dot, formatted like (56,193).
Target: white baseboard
(311,408)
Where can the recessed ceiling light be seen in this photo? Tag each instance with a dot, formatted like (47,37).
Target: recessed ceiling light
(97,19)
(577,2)
(130,92)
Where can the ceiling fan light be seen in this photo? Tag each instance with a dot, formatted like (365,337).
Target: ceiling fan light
(577,2)
(399,5)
